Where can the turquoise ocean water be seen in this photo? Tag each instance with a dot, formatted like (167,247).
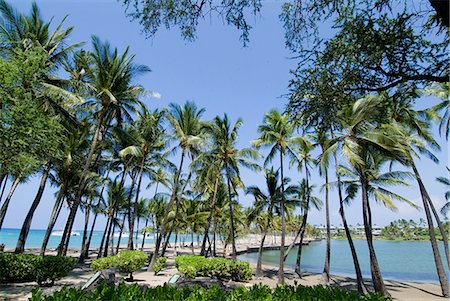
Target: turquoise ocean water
(399,260)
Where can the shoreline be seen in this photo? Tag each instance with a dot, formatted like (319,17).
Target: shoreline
(400,290)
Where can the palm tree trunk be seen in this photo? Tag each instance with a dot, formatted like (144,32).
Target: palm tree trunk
(136,199)
(120,234)
(55,213)
(298,262)
(27,222)
(146,222)
(233,242)
(105,232)
(362,290)
(81,185)
(166,214)
(85,229)
(283,224)
(192,242)
(298,269)
(108,235)
(3,180)
(214,237)
(326,267)
(88,243)
(131,213)
(208,224)
(144,234)
(259,272)
(8,199)
(377,278)
(443,280)
(174,221)
(441,229)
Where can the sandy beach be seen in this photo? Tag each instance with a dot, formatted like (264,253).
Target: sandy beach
(399,290)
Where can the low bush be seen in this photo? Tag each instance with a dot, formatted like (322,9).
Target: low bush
(126,292)
(28,267)
(125,261)
(160,264)
(220,268)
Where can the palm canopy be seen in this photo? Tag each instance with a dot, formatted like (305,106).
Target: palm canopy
(22,31)
(276,131)
(441,111)
(187,127)
(112,75)
(223,139)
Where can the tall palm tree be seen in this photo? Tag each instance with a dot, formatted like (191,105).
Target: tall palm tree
(229,158)
(276,131)
(359,143)
(149,141)
(187,129)
(115,97)
(441,111)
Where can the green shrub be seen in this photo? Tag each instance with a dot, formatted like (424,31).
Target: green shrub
(255,293)
(160,264)
(219,268)
(29,267)
(125,261)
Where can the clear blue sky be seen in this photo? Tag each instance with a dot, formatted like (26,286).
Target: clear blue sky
(217,73)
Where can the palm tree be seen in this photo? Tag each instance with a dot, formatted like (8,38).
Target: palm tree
(276,131)
(229,159)
(409,143)
(446,182)
(187,129)
(149,141)
(115,97)
(265,203)
(360,144)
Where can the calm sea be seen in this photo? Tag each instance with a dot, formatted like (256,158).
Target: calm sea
(399,260)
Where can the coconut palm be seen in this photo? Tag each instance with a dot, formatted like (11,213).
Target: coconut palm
(360,143)
(230,159)
(277,132)
(441,111)
(187,129)
(148,142)
(116,98)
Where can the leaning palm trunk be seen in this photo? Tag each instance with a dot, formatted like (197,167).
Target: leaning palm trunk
(437,256)
(442,230)
(73,210)
(259,272)
(283,224)
(298,262)
(3,180)
(55,213)
(120,234)
(377,278)
(208,224)
(8,199)
(27,222)
(362,290)
(166,214)
(233,242)
(326,267)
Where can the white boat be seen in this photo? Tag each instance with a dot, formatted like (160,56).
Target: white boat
(60,233)
(124,234)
